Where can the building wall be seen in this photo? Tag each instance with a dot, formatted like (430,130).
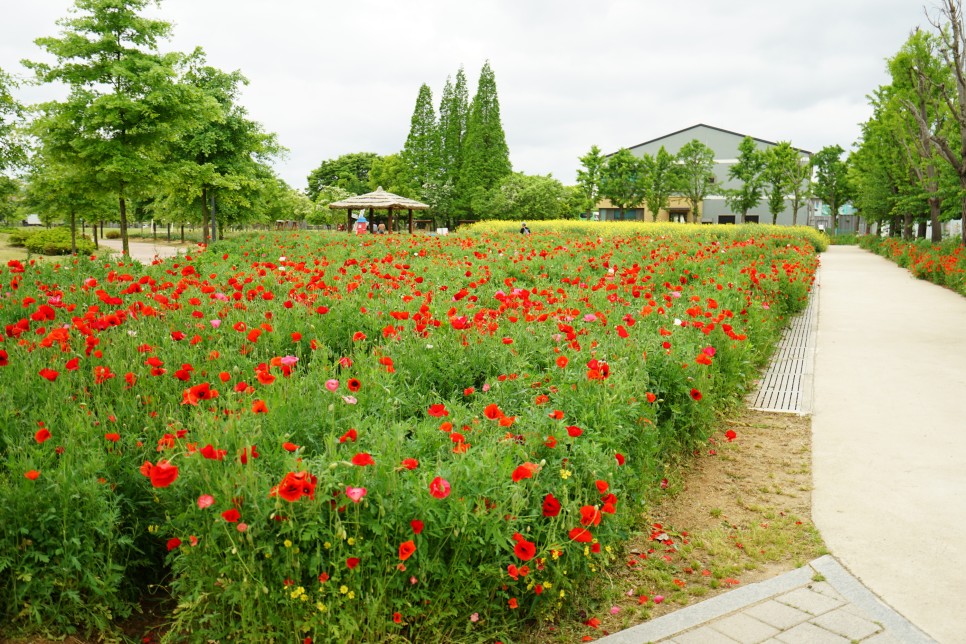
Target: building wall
(714,208)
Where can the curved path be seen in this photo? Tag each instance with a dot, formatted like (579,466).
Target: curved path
(889,436)
(145,252)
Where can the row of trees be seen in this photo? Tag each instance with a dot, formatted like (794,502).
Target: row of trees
(627,180)
(141,134)
(457,162)
(909,166)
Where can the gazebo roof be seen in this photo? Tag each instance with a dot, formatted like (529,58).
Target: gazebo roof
(379,200)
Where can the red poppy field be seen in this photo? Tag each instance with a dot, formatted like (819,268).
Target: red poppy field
(313,437)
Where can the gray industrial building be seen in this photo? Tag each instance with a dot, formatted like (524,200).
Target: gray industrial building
(714,210)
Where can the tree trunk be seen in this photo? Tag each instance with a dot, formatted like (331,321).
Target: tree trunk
(94,230)
(182,233)
(921,232)
(125,245)
(204,216)
(962,228)
(895,228)
(73,232)
(907,226)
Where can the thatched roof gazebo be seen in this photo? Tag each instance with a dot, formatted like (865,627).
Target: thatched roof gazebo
(379,200)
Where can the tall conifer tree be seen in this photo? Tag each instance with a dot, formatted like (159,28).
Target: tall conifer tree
(486,157)
(421,152)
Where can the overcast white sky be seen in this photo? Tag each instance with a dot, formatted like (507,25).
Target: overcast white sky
(336,77)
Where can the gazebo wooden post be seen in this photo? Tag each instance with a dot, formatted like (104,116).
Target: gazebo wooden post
(410,221)
(389,227)
(349,217)
(372,216)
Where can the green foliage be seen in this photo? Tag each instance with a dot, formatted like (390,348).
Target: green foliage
(19,236)
(11,198)
(12,152)
(749,170)
(349,172)
(453,115)
(623,179)
(322,214)
(486,157)
(781,175)
(421,154)
(391,173)
(57,241)
(524,198)
(125,106)
(661,180)
(832,183)
(697,180)
(589,176)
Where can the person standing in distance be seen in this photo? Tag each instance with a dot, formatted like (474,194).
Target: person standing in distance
(524,230)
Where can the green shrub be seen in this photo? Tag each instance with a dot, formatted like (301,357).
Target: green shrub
(112,234)
(19,236)
(56,241)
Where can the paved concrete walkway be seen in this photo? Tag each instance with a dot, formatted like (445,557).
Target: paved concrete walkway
(889,436)
(145,252)
(889,467)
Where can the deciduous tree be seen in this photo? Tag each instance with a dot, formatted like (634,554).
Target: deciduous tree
(749,171)
(780,171)
(832,183)
(660,180)
(349,171)
(697,180)
(622,180)
(125,104)
(589,176)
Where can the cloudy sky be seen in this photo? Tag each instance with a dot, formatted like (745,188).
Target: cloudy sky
(336,77)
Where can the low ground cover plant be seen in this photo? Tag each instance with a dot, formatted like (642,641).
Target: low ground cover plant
(943,264)
(320,437)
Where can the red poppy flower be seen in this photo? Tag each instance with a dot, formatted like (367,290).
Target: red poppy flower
(556,414)
(650,397)
(212,454)
(410,463)
(589,516)
(525,471)
(352,562)
(562,361)
(3,358)
(620,458)
(492,411)
(289,447)
(231,516)
(259,407)
(265,377)
(573,431)
(350,435)
(397,617)
(513,602)
(406,549)
(173,543)
(42,434)
(73,364)
(163,474)
(695,394)
(551,506)
(602,486)
(439,488)
(731,435)
(416,525)
(362,459)
(466,392)
(353,384)
(525,550)
(112,437)
(49,374)
(358,336)
(33,475)
(438,410)
(581,535)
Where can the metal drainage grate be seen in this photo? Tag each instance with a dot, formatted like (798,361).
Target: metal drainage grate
(786,385)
